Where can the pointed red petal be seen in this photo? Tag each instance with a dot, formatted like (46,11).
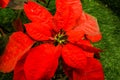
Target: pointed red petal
(88,48)
(38,13)
(93,71)
(95,38)
(89,25)
(67,13)
(19,69)
(42,62)
(74,56)
(38,31)
(85,45)
(17,46)
(4,3)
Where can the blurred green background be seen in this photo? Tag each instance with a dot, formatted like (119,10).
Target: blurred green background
(107,13)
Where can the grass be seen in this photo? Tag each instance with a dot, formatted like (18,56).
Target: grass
(109,24)
(113,4)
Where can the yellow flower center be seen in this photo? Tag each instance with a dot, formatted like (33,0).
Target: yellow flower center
(60,38)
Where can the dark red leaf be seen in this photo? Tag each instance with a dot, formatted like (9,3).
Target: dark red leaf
(88,48)
(17,24)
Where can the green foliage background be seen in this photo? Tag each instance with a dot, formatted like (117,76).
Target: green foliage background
(113,4)
(106,11)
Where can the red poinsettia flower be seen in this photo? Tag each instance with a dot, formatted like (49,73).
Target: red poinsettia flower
(4,3)
(34,55)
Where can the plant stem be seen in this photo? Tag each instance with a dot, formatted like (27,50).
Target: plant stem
(3,34)
(19,13)
(48,3)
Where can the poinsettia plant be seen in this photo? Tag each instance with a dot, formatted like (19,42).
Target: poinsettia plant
(49,39)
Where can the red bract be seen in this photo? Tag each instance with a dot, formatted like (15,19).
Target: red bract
(4,3)
(18,44)
(67,34)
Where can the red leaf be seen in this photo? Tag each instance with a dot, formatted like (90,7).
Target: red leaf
(42,61)
(67,13)
(88,48)
(38,31)
(17,46)
(75,35)
(36,12)
(4,3)
(89,25)
(19,69)
(74,56)
(93,71)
